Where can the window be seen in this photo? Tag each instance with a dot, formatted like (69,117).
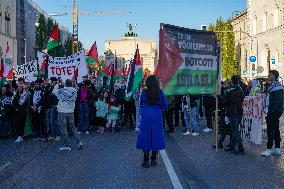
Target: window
(276,17)
(254,26)
(265,22)
(8,21)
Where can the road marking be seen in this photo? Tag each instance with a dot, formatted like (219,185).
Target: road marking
(5,165)
(173,176)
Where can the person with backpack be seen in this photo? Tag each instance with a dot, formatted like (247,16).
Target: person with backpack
(234,98)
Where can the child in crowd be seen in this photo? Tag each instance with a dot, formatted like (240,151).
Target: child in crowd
(102,110)
(113,113)
(190,105)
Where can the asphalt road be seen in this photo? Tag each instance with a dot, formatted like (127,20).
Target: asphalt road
(110,160)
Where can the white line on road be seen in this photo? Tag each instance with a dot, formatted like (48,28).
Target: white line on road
(173,176)
(5,165)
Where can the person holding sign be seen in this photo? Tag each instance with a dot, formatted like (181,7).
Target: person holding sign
(151,135)
(274,110)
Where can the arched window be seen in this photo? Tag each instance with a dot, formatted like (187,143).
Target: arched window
(265,22)
(254,26)
(276,17)
(8,21)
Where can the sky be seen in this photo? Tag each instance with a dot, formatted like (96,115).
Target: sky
(147,14)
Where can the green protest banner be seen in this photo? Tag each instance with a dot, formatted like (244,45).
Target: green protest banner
(188,61)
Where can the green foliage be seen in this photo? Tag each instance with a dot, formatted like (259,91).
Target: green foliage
(41,33)
(227,40)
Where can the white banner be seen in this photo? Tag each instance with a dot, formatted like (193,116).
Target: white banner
(68,67)
(27,71)
(253,116)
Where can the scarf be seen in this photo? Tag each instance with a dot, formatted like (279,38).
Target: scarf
(36,97)
(23,97)
(274,86)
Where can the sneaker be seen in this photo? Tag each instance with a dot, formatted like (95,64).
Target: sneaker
(58,138)
(276,151)
(51,138)
(19,139)
(63,148)
(99,129)
(186,133)
(195,134)
(266,152)
(87,132)
(80,145)
(207,130)
(79,132)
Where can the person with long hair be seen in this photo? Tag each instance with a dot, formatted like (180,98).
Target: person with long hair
(151,134)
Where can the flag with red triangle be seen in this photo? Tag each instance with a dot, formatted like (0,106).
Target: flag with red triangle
(53,40)
(42,61)
(92,55)
(8,66)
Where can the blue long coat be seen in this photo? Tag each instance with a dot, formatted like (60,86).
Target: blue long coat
(151,135)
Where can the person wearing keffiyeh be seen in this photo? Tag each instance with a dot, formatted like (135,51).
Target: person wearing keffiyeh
(20,106)
(274,110)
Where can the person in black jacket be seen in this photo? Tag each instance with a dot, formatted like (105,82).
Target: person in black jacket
(50,106)
(234,98)
(20,105)
(274,110)
(37,112)
(209,105)
(5,111)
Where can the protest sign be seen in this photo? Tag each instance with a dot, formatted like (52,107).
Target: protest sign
(253,116)
(71,67)
(27,71)
(188,61)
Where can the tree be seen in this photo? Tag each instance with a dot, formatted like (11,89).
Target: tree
(41,33)
(227,40)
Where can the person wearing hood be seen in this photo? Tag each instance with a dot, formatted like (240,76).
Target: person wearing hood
(66,105)
(255,89)
(274,110)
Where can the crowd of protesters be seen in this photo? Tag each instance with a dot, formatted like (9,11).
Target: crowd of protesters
(59,108)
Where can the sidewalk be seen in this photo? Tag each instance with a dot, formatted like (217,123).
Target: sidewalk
(225,170)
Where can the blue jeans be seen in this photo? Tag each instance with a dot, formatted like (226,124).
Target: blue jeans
(51,122)
(83,122)
(236,134)
(194,121)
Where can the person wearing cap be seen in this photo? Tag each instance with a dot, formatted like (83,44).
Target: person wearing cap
(65,117)
(37,113)
(85,97)
(20,105)
(50,105)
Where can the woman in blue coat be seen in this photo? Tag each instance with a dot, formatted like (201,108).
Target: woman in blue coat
(151,135)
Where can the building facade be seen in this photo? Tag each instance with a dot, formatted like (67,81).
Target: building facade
(266,37)
(8,28)
(242,38)
(28,13)
(125,50)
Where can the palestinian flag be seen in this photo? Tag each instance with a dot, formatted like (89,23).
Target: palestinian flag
(8,66)
(135,76)
(53,40)
(92,55)
(42,61)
